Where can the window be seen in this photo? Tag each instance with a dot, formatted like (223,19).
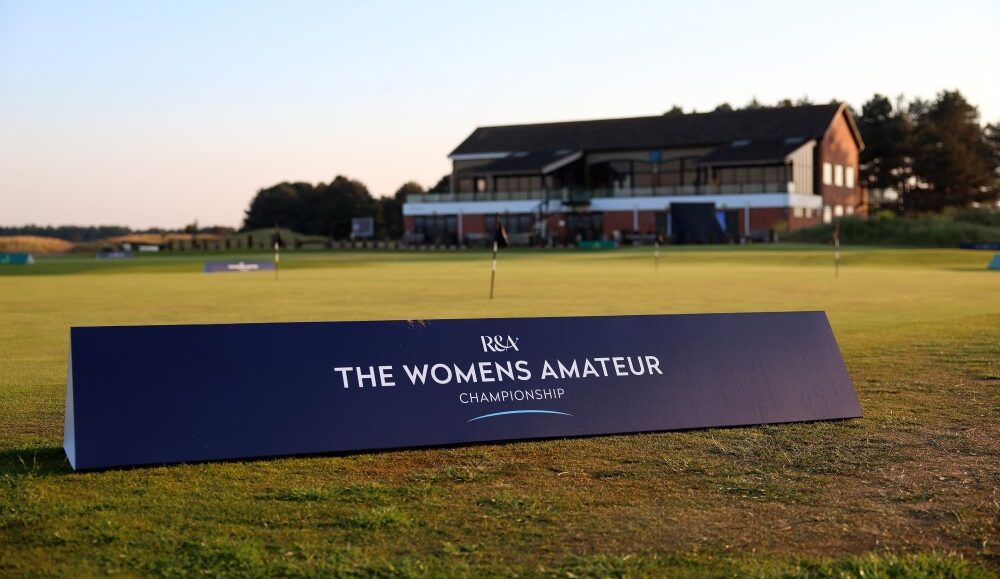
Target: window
(827,214)
(519,184)
(827,174)
(774,174)
(850,210)
(584,226)
(642,172)
(838,210)
(849,177)
(512,222)
(797,212)
(838,175)
(611,175)
(437,228)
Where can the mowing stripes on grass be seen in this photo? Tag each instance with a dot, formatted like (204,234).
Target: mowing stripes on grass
(909,490)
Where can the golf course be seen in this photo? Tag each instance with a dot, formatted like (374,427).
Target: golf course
(910,489)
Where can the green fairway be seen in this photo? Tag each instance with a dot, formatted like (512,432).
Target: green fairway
(912,489)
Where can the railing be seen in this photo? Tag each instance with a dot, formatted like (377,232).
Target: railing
(581,195)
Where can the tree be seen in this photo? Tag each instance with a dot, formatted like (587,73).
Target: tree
(888,132)
(331,207)
(443,185)
(69,232)
(281,204)
(674,110)
(723,107)
(952,158)
(321,210)
(992,136)
(391,209)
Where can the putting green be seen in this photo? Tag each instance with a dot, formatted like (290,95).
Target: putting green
(909,489)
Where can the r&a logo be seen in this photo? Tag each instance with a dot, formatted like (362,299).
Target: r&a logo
(499,343)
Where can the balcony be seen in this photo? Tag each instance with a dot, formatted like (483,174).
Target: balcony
(577,196)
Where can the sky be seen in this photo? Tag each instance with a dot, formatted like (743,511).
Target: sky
(161,113)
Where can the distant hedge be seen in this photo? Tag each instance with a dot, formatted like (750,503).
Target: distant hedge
(932,230)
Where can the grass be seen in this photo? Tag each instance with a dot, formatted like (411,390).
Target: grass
(909,490)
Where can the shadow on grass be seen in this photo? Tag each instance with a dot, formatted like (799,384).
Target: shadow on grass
(41,461)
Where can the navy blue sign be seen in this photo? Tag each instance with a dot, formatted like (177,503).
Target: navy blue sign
(237,266)
(166,394)
(986,246)
(114,255)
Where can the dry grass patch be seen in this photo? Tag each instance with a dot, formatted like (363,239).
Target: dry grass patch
(34,244)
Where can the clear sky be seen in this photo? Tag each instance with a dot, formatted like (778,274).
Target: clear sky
(157,113)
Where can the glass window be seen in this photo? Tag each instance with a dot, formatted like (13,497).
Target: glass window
(838,175)
(642,174)
(850,210)
(827,174)
(838,210)
(773,175)
(827,214)
(689,171)
(512,222)
(670,172)
(584,226)
(797,212)
(849,177)
(437,228)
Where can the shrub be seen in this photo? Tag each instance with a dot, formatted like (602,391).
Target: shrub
(933,230)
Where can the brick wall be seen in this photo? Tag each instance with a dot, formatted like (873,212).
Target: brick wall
(838,147)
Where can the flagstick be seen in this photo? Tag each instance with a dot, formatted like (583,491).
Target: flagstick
(277,258)
(836,249)
(493,273)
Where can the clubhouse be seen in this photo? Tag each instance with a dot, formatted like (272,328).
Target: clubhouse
(756,171)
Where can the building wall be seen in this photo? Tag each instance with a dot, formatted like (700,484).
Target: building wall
(473,224)
(805,220)
(838,147)
(623,221)
(802,168)
(763,219)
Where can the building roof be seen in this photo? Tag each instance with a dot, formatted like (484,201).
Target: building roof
(768,151)
(665,131)
(524,163)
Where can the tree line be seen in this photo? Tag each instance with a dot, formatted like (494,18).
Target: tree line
(75,233)
(327,208)
(933,154)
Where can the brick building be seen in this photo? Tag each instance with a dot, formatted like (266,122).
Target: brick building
(761,169)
